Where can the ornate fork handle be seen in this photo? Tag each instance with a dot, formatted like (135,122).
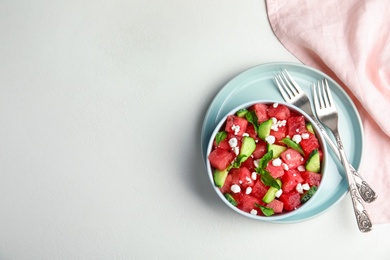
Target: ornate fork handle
(364,189)
(362,218)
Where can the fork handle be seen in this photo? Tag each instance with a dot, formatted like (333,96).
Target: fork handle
(362,218)
(366,192)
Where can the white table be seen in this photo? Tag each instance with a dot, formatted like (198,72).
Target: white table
(101,105)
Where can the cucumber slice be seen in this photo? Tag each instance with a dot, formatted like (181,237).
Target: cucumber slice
(313,163)
(308,194)
(276,149)
(247,148)
(241,112)
(220,177)
(270,195)
(231,199)
(290,143)
(264,129)
(310,128)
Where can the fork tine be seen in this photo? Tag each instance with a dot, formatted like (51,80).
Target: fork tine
(329,94)
(321,95)
(291,79)
(286,95)
(315,97)
(287,84)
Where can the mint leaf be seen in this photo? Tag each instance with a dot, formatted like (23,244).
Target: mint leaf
(242,112)
(241,158)
(252,118)
(266,211)
(220,137)
(265,159)
(267,179)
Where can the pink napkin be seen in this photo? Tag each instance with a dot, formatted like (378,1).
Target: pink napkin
(350,41)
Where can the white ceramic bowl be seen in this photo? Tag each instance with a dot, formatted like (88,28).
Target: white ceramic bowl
(278,216)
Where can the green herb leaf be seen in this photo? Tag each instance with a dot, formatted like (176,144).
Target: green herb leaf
(241,158)
(268,180)
(266,211)
(242,112)
(220,137)
(252,118)
(265,159)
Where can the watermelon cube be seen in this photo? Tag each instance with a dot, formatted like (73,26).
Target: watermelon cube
(309,144)
(221,158)
(290,200)
(279,111)
(261,112)
(290,179)
(236,125)
(242,176)
(276,205)
(292,158)
(311,178)
(296,125)
(275,171)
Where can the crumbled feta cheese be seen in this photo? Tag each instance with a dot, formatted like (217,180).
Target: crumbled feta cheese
(256,163)
(277,162)
(288,156)
(248,179)
(297,130)
(274,120)
(236,129)
(285,166)
(283,123)
(299,188)
(254,176)
(306,186)
(245,134)
(235,188)
(297,138)
(248,190)
(233,142)
(236,150)
(301,168)
(278,193)
(253,212)
(305,136)
(270,139)
(275,105)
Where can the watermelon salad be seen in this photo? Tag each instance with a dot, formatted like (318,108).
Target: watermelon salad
(266,159)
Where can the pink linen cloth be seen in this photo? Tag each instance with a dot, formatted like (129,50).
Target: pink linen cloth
(349,41)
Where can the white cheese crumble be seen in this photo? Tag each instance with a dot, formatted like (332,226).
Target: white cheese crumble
(256,163)
(288,156)
(236,129)
(270,139)
(248,190)
(278,193)
(233,142)
(235,188)
(277,162)
(253,212)
(245,134)
(285,166)
(275,105)
(236,150)
(299,188)
(301,168)
(305,136)
(297,138)
(306,186)
(254,176)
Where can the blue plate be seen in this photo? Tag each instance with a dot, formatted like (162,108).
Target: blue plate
(258,83)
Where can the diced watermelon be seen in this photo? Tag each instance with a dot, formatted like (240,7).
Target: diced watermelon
(275,171)
(311,178)
(280,134)
(280,112)
(246,202)
(261,112)
(242,177)
(221,158)
(249,164)
(276,205)
(250,130)
(296,125)
(235,124)
(291,200)
(309,144)
(259,189)
(223,144)
(228,183)
(290,179)
(292,158)
(261,149)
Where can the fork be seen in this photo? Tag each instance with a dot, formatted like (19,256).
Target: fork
(327,114)
(293,94)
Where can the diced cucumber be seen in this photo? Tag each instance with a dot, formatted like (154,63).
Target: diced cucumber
(313,163)
(248,146)
(308,194)
(220,177)
(270,195)
(310,128)
(241,112)
(290,143)
(230,198)
(276,149)
(264,129)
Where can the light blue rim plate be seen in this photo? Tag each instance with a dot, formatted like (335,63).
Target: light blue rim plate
(258,83)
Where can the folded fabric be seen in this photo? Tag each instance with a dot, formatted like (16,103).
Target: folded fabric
(350,41)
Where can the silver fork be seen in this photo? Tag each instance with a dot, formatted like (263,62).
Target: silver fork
(293,94)
(327,114)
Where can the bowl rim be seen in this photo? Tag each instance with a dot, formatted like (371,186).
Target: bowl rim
(319,135)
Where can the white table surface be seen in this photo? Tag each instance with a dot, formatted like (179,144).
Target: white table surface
(101,106)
